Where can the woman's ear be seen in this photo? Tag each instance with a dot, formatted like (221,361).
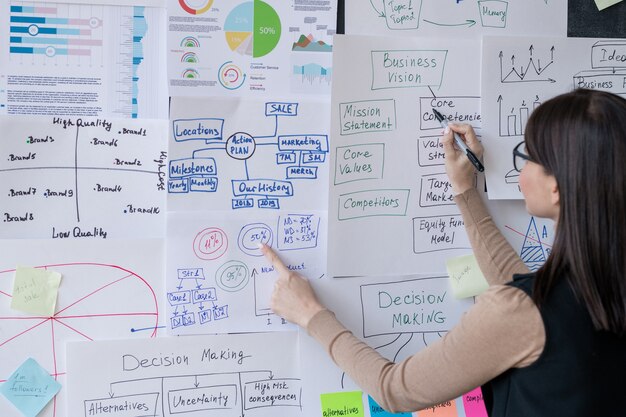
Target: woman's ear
(555,198)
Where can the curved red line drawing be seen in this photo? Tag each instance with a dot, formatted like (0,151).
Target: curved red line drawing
(131,273)
(59,317)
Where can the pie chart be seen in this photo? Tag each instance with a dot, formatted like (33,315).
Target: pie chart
(252,28)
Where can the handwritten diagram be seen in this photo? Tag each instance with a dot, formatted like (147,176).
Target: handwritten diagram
(520,73)
(460,18)
(217,278)
(97,300)
(396,317)
(226,375)
(389,188)
(237,155)
(82,178)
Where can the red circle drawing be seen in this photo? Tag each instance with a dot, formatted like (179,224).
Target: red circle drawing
(210,244)
(95,302)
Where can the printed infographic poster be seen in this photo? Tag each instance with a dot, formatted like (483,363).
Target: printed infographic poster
(250,47)
(82,60)
(459,18)
(108,290)
(519,73)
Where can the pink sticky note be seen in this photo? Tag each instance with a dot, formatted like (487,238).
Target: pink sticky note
(474,404)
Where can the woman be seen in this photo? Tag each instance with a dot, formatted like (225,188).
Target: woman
(550,343)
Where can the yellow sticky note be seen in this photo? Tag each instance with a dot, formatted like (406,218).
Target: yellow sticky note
(465,275)
(343,404)
(603,4)
(35,291)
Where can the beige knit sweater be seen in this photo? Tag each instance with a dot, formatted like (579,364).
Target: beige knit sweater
(502,330)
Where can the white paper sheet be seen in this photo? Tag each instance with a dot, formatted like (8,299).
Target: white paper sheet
(385,150)
(248,155)
(218,281)
(519,73)
(82,60)
(86,178)
(391,210)
(250,48)
(396,331)
(459,19)
(108,291)
(226,375)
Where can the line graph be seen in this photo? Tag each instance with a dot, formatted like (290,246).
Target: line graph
(529,71)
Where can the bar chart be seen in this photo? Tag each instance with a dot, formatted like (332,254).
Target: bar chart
(56,31)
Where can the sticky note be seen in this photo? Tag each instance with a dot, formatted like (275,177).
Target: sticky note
(603,4)
(35,291)
(465,275)
(445,409)
(377,411)
(349,404)
(30,388)
(473,404)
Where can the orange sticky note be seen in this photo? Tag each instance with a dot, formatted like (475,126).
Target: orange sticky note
(445,409)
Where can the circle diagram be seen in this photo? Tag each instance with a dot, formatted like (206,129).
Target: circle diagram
(95,302)
(231,76)
(251,235)
(252,28)
(190,74)
(232,276)
(211,243)
(240,146)
(196,6)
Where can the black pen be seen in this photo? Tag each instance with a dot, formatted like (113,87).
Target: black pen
(460,143)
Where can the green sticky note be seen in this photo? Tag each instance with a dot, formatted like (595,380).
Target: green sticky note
(35,291)
(343,404)
(603,4)
(465,275)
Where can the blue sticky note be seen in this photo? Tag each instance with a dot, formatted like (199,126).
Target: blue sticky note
(30,388)
(377,411)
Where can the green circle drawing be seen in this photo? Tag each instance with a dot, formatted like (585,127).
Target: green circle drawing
(232,276)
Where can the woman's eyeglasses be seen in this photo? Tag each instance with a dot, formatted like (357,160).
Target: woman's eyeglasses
(520,157)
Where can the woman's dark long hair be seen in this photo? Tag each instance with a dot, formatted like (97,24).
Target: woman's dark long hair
(580,138)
